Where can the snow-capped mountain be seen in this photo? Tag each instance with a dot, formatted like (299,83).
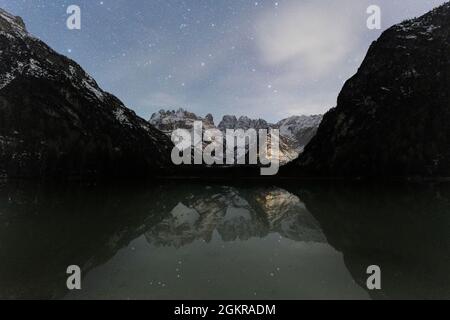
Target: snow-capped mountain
(56,121)
(295,132)
(300,129)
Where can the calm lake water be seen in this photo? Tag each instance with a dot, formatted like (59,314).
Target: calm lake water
(185,240)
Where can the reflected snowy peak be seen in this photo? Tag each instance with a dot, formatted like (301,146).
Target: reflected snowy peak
(236,215)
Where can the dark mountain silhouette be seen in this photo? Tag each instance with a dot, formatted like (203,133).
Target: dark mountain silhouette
(55,121)
(392,118)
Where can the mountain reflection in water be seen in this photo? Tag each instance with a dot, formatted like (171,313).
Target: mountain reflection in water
(191,241)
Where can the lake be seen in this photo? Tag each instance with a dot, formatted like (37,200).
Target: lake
(196,240)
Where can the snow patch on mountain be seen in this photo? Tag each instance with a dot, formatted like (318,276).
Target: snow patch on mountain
(292,126)
(184,216)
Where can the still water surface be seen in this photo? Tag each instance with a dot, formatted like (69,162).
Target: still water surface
(184,240)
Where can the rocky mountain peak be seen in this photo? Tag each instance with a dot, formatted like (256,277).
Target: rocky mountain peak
(12,24)
(228,122)
(243,122)
(209,117)
(169,120)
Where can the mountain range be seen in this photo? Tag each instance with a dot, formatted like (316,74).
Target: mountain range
(295,132)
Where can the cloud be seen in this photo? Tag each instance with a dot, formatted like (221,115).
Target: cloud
(311,37)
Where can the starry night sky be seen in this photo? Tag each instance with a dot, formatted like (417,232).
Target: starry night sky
(268,59)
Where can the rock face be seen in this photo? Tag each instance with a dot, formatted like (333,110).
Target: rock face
(295,132)
(392,118)
(169,120)
(55,121)
(245,123)
(300,129)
